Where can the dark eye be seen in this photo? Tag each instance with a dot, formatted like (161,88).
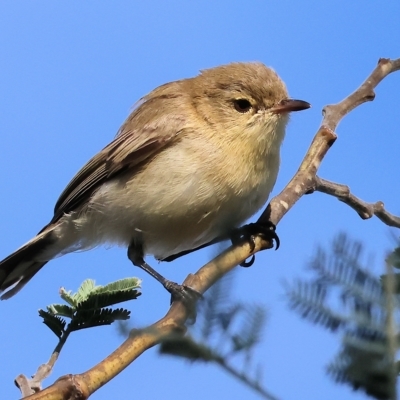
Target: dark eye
(242,105)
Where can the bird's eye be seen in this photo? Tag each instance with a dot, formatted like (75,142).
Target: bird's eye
(242,105)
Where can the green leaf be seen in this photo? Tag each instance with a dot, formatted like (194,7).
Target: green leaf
(56,324)
(61,309)
(126,284)
(84,291)
(394,258)
(252,327)
(187,348)
(68,297)
(100,300)
(97,317)
(86,307)
(214,306)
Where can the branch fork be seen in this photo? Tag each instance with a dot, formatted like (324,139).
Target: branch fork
(305,181)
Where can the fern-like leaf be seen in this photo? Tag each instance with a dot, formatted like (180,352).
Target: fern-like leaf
(215,303)
(106,299)
(61,309)
(394,258)
(367,359)
(68,297)
(97,317)
(56,324)
(87,287)
(343,268)
(308,300)
(364,365)
(252,326)
(127,284)
(186,347)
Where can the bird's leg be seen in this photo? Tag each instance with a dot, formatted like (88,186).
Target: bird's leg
(249,232)
(178,292)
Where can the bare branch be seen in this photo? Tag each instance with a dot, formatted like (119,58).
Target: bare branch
(81,386)
(365,210)
(33,385)
(304,181)
(245,379)
(334,113)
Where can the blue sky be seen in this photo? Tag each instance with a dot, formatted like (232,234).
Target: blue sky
(70,73)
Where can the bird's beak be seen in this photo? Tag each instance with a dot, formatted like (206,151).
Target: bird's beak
(289,105)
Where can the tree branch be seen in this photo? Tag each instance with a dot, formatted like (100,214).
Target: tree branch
(365,210)
(81,386)
(305,179)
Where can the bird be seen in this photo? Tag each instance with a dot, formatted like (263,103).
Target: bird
(192,162)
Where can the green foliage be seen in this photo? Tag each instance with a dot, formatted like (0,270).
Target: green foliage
(251,329)
(61,309)
(363,362)
(89,306)
(224,329)
(187,347)
(97,317)
(56,324)
(394,258)
(366,360)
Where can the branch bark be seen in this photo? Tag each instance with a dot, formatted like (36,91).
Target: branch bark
(365,210)
(305,181)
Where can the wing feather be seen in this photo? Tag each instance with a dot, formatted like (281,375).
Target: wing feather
(145,132)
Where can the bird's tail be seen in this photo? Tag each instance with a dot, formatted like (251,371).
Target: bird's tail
(19,267)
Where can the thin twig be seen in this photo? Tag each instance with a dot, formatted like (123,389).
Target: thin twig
(245,379)
(365,210)
(29,386)
(334,113)
(304,181)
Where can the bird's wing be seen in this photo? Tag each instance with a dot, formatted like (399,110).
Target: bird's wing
(144,133)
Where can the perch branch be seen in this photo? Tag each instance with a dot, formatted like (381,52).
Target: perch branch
(81,386)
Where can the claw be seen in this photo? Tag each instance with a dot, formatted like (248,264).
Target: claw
(182,292)
(247,264)
(187,295)
(248,233)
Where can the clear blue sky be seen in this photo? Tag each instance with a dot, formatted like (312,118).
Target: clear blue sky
(70,72)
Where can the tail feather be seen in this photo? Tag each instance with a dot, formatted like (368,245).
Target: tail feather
(19,267)
(22,281)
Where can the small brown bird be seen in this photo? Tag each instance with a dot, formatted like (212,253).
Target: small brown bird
(191,163)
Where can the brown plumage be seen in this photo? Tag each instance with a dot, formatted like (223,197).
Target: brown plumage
(193,161)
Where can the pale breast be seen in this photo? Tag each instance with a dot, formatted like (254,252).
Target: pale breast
(179,201)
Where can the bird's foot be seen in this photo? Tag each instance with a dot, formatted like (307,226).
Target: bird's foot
(186,294)
(181,292)
(249,232)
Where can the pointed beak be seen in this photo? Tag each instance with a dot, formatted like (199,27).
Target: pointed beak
(289,105)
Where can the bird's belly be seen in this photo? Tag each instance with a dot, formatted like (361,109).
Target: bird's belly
(170,227)
(170,212)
